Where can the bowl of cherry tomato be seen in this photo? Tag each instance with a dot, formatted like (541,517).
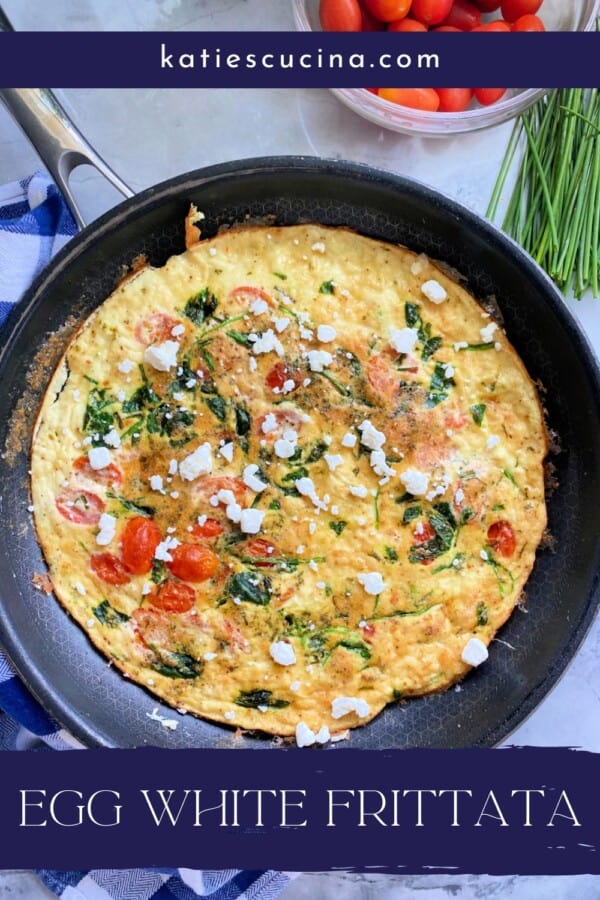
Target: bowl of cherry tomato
(443,111)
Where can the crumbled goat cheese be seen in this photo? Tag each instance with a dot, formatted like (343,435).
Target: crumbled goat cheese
(288,386)
(252,364)
(234,513)
(251,480)
(146,588)
(326,334)
(197,463)
(162,357)
(460,345)
(487,333)
(295,686)
(269,424)
(226,451)
(484,555)
(420,263)
(281,324)
(125,366)
(333,460)
(448,370)
(156,482)
(79,588)
(415,482)
(251,520)
(305,736)
(258,307)
(99,457)
(372,582)
(459,496)
(434,291)
(349,440)
(379,465)
(358,490)
(318,247)
(107,525)
(341,706)
(112,439)
(209,656)
(178,330)
(282,653)
(475,652)
(162,551)
(318,359)
(492,441)
(266,343)
(370,437)
(403,340)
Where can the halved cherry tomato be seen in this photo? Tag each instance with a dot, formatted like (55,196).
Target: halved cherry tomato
(156,328)
(487,96)
(388,10)
(415,98)
(463,15)
(279,374)
(110,474)
(454,99)
(514,9)
(193,562)
(487,5)
(368,631)
(340,15)
(502,538)
(173,597)
(426,534)
(248,294)
(139,541)
(261,549)
(406,25)
(285,418)
(431,12)
(529,23)
(210,485)
(80,507)
(496,25)
(109,568)
(211,528)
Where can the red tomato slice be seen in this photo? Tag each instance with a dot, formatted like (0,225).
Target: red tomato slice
(139,541)
(415,98)
(155,329)
(502,538)
(340,15)
(109,568)
(110,474)
(454,99)
(210,529)
(487,96)
(80,507)
(193,562)
(463,15)
(514,9)
(261,549)
(388,10)
(431,12)
(529,23)
(279,374)
(427,534)
(406,25)
(247,295)
(172,597)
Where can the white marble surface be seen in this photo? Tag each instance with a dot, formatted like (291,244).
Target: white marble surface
(150,135)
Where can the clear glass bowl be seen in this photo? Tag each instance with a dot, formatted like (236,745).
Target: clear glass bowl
(558,15)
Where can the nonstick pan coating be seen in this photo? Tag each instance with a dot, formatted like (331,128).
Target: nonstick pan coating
(76,684)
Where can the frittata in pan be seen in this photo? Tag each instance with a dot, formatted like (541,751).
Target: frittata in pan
(291,476)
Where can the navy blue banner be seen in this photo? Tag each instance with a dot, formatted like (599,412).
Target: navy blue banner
(514,811)
(291,59)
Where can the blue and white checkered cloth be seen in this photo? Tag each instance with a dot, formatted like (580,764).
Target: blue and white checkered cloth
(34,225)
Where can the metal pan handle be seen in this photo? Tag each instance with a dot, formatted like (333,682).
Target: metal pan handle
(58,141)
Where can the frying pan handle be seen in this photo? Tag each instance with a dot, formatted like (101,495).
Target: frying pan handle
(58,141)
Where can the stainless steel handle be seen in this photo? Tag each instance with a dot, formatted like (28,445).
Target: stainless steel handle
(58,141)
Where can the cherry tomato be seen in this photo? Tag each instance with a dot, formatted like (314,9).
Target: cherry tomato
(431,12)
(388,10)
(110,474)
(248,294)
(487,96)
(502,538)
(514,9)
(173,597)
(372,90)
(279,374)
(406,25)
(426,534)
(260,548)
(155,329)
(340,15)
(139,541)
(285,418)
(496,25)
(463,15)
(487,5)
(151,627)
(80,507)
(211,528)
(369,22)
(415,98)
(529,23)
(210,485)
(109,568)
(446,28)
(368,631)
(454,100)
(193,562)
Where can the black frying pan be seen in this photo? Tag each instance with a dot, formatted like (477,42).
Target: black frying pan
(55,659)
